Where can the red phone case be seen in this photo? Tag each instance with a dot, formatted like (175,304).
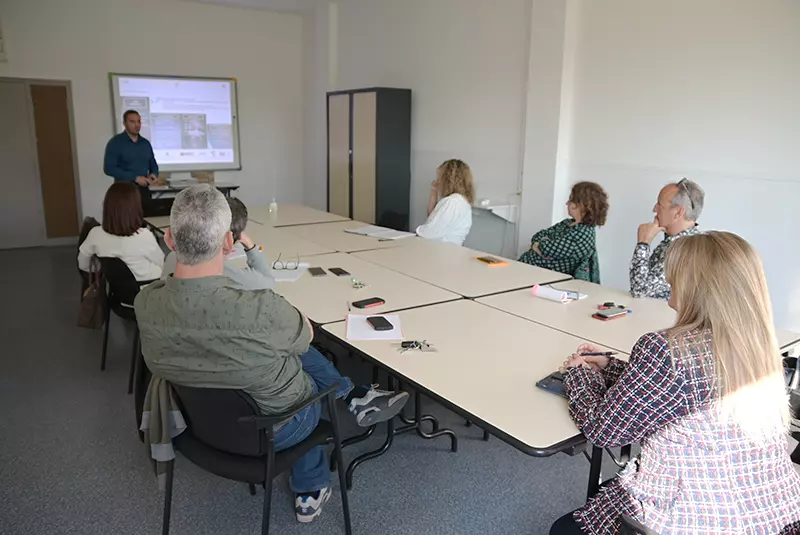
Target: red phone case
(374,304)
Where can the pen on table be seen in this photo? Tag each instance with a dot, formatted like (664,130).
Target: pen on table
(599,354)
(348,306)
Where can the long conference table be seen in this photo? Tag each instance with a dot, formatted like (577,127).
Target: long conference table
(493,338)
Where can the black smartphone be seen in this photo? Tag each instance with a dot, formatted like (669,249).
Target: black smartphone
(367,303)
(317,272)
(379,323)
(339,271)
(553,383)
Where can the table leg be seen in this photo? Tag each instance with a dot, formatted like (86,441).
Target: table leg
(595,469)
(391,432)
(419,418)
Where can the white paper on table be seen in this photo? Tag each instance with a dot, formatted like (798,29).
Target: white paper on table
(359,329)
(381,233)
(390,234)
(365,231)
(289,275)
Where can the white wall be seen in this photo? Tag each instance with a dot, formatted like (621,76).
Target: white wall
(466,63)
(83,40)
(708,90)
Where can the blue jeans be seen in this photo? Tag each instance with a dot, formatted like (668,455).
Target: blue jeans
(310,473)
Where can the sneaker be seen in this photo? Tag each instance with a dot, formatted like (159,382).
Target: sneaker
(377,406)
(307,507)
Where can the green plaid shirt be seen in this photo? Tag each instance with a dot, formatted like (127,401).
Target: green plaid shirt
(567,248)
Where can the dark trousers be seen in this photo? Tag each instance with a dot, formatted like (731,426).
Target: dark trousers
(566,525)
(147,199)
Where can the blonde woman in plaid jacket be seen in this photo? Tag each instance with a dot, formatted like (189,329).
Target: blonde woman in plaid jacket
(706,400)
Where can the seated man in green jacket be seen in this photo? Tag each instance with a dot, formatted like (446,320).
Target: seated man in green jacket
(202,329)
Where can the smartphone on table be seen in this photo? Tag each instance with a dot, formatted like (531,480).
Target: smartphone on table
(379,323)
(317,272)
(339,272)
(553,383)
(368,303)
(606,315)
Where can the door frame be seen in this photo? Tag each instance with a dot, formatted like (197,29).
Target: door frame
(28,82)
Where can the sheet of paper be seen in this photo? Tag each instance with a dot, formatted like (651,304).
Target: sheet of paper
(359,329)
(365,231)
(391,235)
(289,275)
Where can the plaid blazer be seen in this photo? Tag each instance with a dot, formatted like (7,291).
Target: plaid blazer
(697,473)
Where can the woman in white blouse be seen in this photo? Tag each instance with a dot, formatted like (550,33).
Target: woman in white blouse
(450,204)
(122,236)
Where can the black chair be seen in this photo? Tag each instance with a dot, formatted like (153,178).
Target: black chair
(228,436)
(122,290)
(633,527)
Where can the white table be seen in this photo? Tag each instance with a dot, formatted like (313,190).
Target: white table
(455,268)
(333,235)
(275,241)
(486,369)
(576,317)
(158,222)
(291,214)
(648,315)
(324,299)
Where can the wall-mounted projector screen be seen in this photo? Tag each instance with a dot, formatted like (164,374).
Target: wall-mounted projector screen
(191,122)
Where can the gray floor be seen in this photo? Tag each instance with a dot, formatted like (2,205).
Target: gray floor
(71,462)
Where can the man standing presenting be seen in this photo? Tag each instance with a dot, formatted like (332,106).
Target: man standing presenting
(677,211)
(129,157)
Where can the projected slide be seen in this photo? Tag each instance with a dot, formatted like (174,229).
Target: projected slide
(191,123)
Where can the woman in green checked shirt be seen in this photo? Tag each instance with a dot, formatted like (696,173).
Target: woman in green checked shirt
(570,246)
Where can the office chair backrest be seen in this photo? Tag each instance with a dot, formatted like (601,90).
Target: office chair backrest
(212,416)
(120,279)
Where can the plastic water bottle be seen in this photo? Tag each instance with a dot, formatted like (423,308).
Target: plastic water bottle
(273,210)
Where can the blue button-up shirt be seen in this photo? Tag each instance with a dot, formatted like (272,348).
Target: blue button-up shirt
(126,159)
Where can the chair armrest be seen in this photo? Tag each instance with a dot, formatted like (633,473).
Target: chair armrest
(263,422)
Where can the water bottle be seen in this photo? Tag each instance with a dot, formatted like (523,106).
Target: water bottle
(273,210)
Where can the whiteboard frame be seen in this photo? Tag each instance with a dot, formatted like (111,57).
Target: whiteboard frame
(113,83)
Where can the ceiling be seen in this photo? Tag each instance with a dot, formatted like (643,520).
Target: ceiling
(286,6)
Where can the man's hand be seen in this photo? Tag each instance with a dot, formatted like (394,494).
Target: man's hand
(535,248)
(649,231)
(143,181)
(246,241)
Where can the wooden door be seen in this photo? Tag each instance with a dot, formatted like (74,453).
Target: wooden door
(21,220)
(56,166)
(365,124)
(339,154)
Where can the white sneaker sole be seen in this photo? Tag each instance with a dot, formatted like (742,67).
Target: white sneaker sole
(305,519)
(396,405)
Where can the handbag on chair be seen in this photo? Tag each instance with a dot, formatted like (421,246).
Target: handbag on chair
(92,311)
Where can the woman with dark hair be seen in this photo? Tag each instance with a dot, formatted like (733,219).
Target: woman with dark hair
(570,247)
(122,236)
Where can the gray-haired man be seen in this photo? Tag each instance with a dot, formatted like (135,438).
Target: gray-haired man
(678,208)
(202,329)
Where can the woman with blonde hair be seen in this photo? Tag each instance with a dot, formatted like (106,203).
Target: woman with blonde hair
(450,204)
(706,400)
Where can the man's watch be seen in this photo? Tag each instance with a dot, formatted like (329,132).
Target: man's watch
(246,250)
